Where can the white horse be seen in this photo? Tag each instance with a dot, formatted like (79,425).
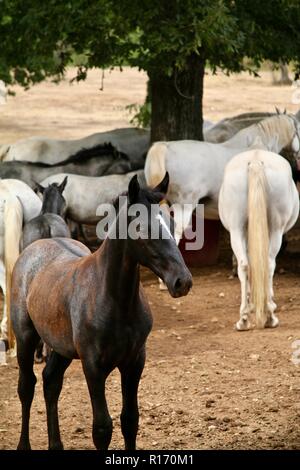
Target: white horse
(83,194)
(258,203)
(18,204)
(229,126)
(129,141)
(196,168)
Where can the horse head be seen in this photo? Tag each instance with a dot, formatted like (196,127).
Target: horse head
(150,234)
(53,200)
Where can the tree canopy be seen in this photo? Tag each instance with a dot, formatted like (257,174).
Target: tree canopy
(40,39)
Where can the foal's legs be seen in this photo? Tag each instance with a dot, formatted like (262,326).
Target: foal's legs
(275,245)
(102,422)
(238,244)
(53,375)
(26,344)
(130,377)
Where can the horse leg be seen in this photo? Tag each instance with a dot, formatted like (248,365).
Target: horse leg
(102,422)
(275,245)
(238,244)
(26,344)
(130,378)
(3,325)
(53,375)
(234,265)
(182,216)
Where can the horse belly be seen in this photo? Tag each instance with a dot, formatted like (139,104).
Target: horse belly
(50,319)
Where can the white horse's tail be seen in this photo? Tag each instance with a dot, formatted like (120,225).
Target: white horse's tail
(13,222)
(155,166)
(258,240)
(3,151)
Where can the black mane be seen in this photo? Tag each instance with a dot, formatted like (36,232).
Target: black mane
(100,150)
(82,156)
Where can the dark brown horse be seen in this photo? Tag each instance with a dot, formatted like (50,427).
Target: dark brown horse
(92,307)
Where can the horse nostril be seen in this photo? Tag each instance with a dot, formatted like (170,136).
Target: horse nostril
(178,284)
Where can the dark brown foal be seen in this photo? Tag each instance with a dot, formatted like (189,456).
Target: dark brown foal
(92,307)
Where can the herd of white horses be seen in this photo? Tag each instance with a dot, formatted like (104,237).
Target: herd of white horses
(237,170)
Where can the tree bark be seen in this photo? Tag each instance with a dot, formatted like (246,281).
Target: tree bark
(177,102)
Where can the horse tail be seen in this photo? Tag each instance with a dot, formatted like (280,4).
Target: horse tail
(13,221)
(258,240)
(155,165)
(4,151)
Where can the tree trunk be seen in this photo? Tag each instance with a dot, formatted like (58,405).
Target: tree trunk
(177,102)
(284,79)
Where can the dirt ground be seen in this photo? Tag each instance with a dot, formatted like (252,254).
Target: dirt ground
(205,386)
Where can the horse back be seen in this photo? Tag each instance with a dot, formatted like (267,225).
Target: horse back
(46,225)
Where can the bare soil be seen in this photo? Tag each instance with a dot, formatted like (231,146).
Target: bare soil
(205,386)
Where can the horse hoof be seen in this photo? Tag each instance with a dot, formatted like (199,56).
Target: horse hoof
(57,446)
(162,285)
(272,322)
(242,325)
(22,446)
(38,359)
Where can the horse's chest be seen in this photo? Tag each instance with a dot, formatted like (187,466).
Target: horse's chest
(123,342)
(120,341)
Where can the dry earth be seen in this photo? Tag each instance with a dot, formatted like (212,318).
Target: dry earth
(205,386)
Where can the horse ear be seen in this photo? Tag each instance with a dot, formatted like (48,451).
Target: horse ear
(38,188)
(162,187)
(133,189)
(284,111)
(277,110)
(62,185)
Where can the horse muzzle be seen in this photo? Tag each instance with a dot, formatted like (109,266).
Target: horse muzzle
(180,286)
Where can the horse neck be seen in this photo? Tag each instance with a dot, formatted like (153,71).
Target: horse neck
(241,138)
(120,274)
(274,137)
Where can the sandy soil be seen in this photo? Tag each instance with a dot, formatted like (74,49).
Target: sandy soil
(205,386)
(76,110)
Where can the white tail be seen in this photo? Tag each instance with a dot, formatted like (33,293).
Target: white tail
(13,222)
(3,151)
(155,166)
(258,240)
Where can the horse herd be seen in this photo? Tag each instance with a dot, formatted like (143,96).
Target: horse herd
(91,306)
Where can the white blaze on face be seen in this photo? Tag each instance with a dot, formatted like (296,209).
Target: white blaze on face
(162,222)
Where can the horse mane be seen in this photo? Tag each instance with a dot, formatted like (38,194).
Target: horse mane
(249,116)
(80,157)
(279,124)
(87,153)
